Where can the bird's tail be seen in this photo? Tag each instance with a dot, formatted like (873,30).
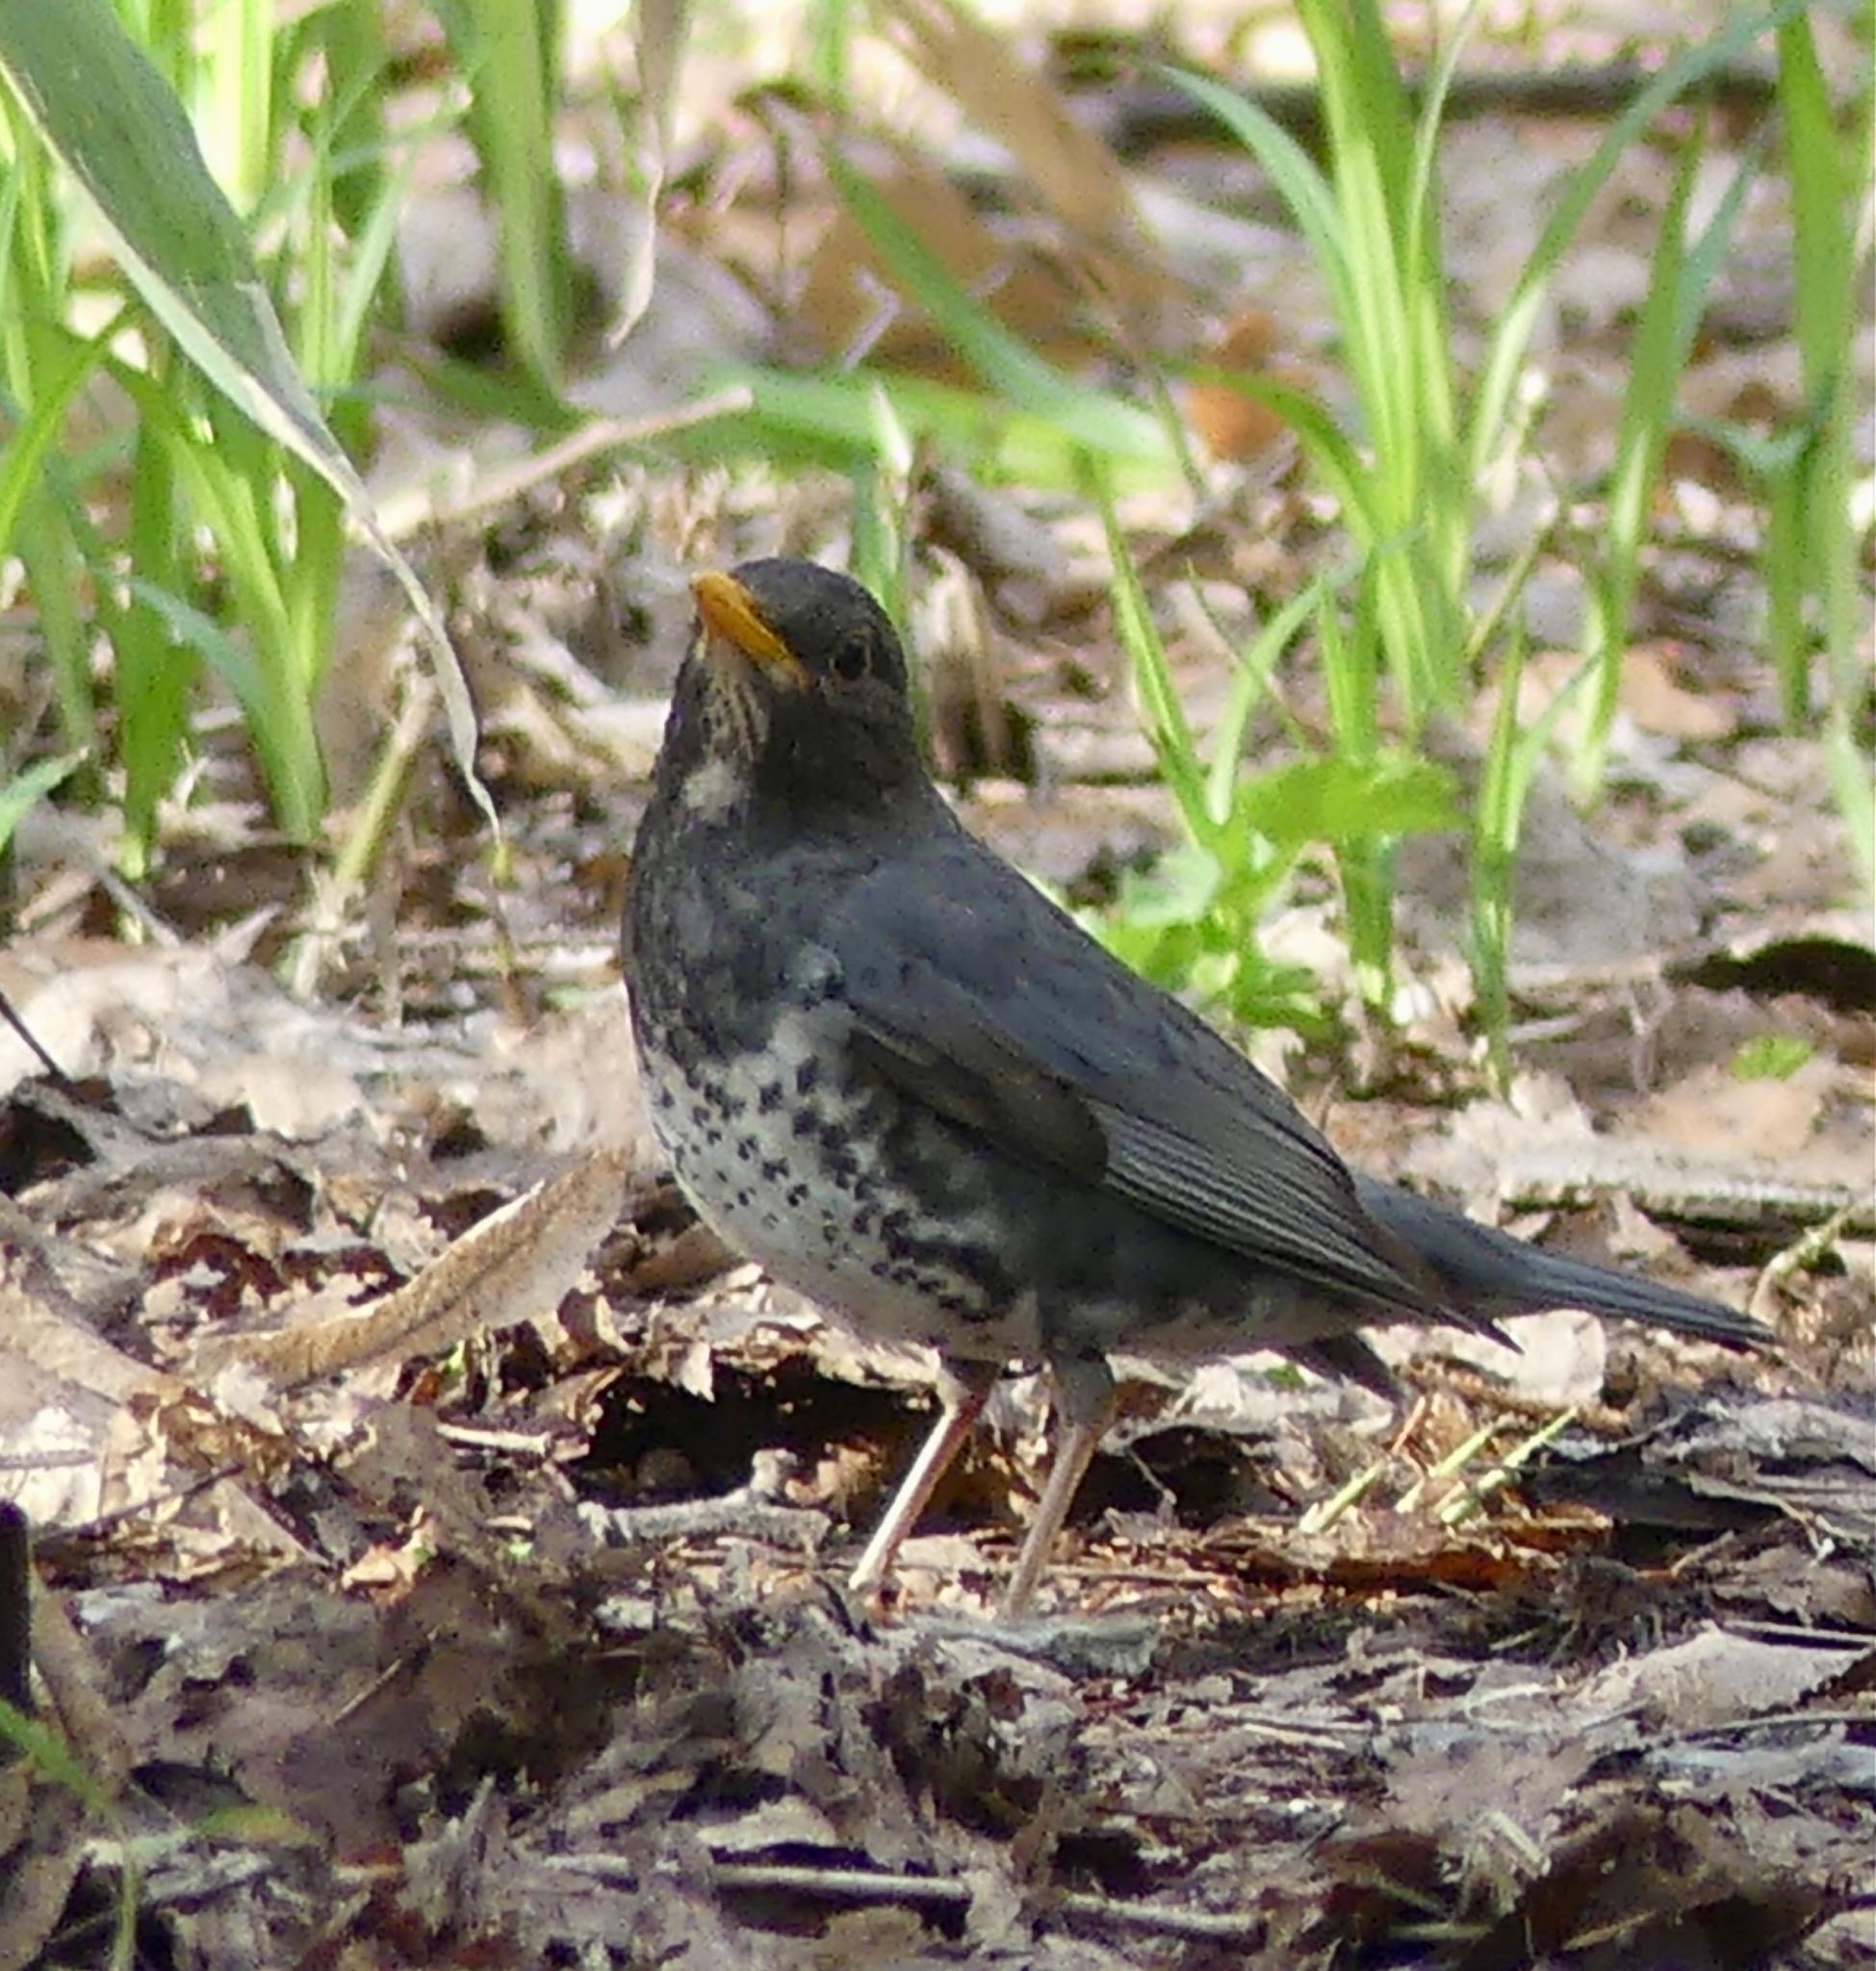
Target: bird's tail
(1486,1272)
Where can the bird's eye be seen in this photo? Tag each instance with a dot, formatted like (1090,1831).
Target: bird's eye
(852,661)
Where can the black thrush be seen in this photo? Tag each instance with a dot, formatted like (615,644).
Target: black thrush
(886,1068)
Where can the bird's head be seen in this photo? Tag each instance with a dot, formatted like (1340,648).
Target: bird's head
(794,696)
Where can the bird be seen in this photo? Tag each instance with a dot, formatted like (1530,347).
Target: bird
(886,1066)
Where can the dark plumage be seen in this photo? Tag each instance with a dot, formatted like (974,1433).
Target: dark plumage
(889,1069)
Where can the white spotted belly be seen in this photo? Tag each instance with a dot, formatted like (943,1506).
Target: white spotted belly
(781,1176)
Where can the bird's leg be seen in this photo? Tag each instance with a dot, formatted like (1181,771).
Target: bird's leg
(967,1390)
(1083,1401)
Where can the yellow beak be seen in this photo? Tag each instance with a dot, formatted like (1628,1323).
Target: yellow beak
(729,613)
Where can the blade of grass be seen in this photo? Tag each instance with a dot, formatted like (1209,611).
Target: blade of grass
(154,674)
(54,572)
(99,107)
(1496,388)
(1497,818)
(509,51)
(30,784)
(347,38)
(1654,364)
(831,421)
(1507,772)
(234,104)
(41,368)
(1161,712)
(1248,689)
(1365,119)
(882,489)
(1327,446)
(1092,417)
(1298,183)
(1374,230)
(1351,665)
(659,31)
(1817,552)
(1678,288)
(30,443)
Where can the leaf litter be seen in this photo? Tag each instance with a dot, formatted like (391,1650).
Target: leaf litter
(440,1538)
(451,1536)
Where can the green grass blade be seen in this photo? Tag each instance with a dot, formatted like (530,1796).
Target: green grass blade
(1342,801)
(1350,663)
(1676,291)
(1326,444)
(509,51)
(882,492)
(1093,418)
(833,422)
(1497,817)
(235,107)
(1248,689)
(31,441)
(32,784)
(1161,712)
(55,570)
(1642,437)
(1373,230)
(1364,111)
(153,678)
(1818,551)
(1509,767)
(1787,565)
(103,111)
(1496,388)
(1450,503)
(105,114)
(1825,297)
(348,39)
(1301,186)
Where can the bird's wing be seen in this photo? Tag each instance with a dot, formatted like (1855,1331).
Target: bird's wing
(972,993)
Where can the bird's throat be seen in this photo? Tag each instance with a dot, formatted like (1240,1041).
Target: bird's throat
(715,790)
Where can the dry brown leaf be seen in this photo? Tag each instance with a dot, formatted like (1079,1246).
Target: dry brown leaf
(1441,1788)
(1658,702)
(849,308)
(403,1458)
(43,1837)
(76,1688)
(40,1329)
(1716,1678)
(518,1262)
(1713,1111)
(1229,422)
(1076,175)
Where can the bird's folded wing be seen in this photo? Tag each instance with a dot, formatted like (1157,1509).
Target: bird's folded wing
(1035,1038)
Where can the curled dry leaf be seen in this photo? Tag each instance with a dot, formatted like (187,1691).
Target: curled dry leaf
(517,1261)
